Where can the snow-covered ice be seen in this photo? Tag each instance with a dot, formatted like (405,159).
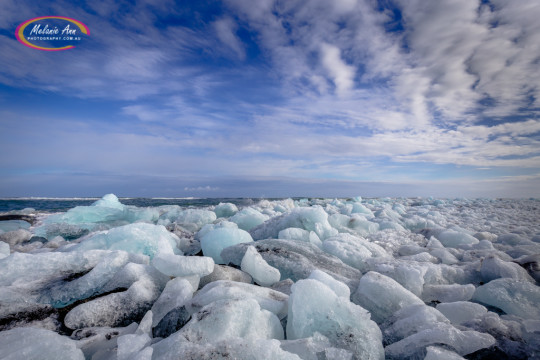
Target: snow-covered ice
(291,279)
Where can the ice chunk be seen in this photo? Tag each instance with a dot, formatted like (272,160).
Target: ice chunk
(421,257)
(268,299)
(262,273)
(216,240)
(353,250)
(100,342)
(31,343)
(464,342)
(178,265)
(131,344)
(16,236)
(484,235)
(448,293)
(296,260)
(248,218)
(409,275)
(531,263)
(223,272)
(455,239)
(382,296)
(119,308)
(307,218)
(103,214)
(307,348)
(66,293)
(174,347)
(28,269)
(13,225)
(348,328)
(439,353)
(494,268)
(460,312)
(173,321)
(138,238)
(176,293)
(225,210)
(361,209)
(194,219)
(445,256)
(110,201)
(301,235)
(512,239)
(514,297)
(339,288)
(4,250)
(231,318)
(411,320)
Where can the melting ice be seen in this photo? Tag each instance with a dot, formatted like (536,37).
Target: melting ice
(306,279)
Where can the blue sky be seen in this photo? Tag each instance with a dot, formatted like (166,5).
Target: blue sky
(274,98)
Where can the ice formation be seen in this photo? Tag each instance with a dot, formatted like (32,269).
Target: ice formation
(291,279)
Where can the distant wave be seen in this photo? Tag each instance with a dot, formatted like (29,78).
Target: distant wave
(175,198)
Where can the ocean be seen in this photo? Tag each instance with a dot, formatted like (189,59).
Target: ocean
(43,204)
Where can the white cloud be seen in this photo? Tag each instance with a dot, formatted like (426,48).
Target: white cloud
(201,188)
(341,73)
(226,32)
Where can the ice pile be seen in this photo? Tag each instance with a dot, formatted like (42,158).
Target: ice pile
(286,279)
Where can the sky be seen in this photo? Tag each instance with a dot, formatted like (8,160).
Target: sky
(274,98)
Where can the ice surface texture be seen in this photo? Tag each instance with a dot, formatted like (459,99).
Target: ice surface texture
(303,279)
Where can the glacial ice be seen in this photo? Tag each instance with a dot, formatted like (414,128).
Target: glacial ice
(214,241)
(308,218)
(248,218)
(464,342)
(178,265)
(300,235)
(339,288)
(223,272)
(494,268)
(13,225)
(176,293)
(448,293)
(460,312)
(353,250)
(224,320)
(296,260)
(314,307)
(32,343)
(4,250)
(411,320)
(268,299)
(225,210)
(103,214)
(195,219)
(425,278)
(262,273)
(439,353)
(514,297)
(382,296)
(174,348)
(16,236)
(139,238)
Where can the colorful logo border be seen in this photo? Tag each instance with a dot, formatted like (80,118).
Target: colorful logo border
(19,33)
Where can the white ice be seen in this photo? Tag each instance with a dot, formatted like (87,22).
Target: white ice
(262,273)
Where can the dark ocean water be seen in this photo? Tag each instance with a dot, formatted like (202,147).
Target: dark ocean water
(54,205)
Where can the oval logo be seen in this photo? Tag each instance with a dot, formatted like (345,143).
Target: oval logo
(51,33)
